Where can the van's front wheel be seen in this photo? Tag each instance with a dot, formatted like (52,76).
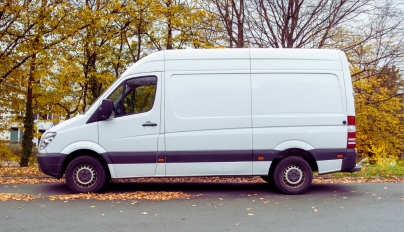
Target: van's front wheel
(85,174)
(293,175)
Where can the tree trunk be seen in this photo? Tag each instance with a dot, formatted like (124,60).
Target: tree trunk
(28,136)
(169,36)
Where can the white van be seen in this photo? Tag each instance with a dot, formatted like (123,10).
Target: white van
(276,113)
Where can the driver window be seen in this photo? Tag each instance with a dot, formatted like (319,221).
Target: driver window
(116,97)
(139,95)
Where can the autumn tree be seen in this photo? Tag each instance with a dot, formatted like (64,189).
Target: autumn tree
(28,31)
(231,21)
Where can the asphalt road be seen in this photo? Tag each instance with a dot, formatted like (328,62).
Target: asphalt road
(362,210)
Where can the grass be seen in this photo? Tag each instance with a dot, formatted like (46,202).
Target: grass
(21,172)
(370,171)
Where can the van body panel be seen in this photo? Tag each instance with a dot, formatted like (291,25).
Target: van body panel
(111,168)
(220,112)
(75,130)
(300,54)
(293,144)
(208,64)
(209,146)
(314,137)
(161,156)
(135,170)
(206,54)
(210,140)
(297,99)
(261,168)
(205,115)
(196,102)
(130,143)
(276,64)
(348,85)
(329,166)
(209,169)
(81,145)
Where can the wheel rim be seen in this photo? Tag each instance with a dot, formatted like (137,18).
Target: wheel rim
(293,176)
(84,175)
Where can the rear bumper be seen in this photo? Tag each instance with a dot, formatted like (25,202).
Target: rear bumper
(357,168)
(349,162)
(50,164)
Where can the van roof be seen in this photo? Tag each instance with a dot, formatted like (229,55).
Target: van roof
(156,62)
(254,53)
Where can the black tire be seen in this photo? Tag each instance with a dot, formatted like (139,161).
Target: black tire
(293,175)
(85,174)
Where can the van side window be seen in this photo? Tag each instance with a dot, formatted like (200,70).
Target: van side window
(139,95)
(116,98)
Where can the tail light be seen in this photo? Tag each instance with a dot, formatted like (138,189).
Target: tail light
(351,133)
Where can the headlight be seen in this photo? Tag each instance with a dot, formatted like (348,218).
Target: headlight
(46,140)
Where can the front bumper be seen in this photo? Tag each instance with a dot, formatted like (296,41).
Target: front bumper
(50,164)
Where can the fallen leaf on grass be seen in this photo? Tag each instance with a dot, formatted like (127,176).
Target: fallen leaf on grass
(25,180)
(17,197)
(154,196)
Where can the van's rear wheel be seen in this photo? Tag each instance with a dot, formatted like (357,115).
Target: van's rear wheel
(293,175)
(85,174)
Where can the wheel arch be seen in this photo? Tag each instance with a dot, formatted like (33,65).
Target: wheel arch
(103,158)
(305,154)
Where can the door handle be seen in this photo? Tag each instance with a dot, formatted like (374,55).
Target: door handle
(149,124)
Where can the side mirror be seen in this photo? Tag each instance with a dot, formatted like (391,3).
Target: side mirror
(106,109)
